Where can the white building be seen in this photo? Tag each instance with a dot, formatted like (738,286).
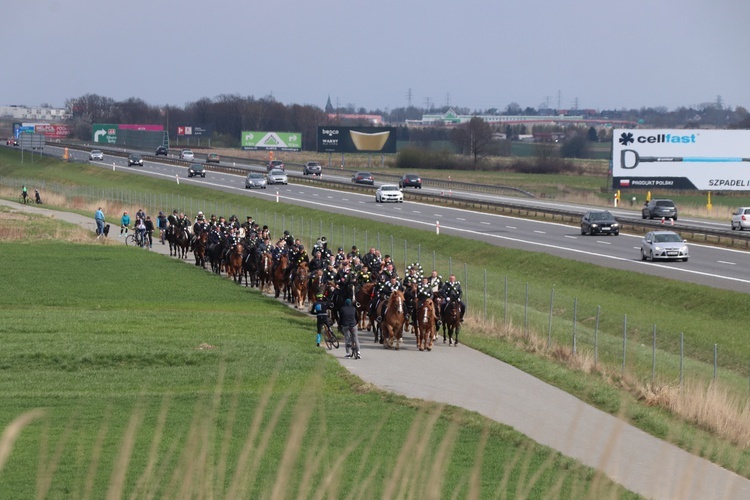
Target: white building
(33,113)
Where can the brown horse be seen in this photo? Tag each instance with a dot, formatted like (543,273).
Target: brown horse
(316,285)
(394,318)
(278,278)
(362,300)
(452,321)
(264,271)
(234,263)
(426,325)
(199,249)
(299,285)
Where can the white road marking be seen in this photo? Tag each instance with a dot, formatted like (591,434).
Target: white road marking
(571,237)
(727,263)
(485,223)
(511,227)
(603,242)
(540,232)
(460,218)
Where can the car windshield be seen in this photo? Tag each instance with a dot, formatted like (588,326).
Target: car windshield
(255,176)
(667,238)
(135,157)
(600,216)
(664,204)
(96,152)
(196,166)
(277,172)
(389,188)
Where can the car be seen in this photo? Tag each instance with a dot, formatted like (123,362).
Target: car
(410,180)
(275,164)
(187,155)
(135,159)
(363,178)
(255,180)
(741,218)
(96,154)
(162,150)
(389,192)
(659,208)
(277,176)
(11,141)
(213,158)
(599,222)
(666,245)
(196,169)
(312,168)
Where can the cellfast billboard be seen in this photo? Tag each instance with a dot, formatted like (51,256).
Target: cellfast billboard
(707,160)
(273,141)
(356,139)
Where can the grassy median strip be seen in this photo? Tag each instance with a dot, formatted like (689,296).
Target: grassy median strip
(156,378)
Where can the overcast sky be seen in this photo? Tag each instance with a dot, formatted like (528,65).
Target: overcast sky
(477,54)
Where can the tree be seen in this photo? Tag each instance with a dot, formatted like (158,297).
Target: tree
(592,135)
(473,138)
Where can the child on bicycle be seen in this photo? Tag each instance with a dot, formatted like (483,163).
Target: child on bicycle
(140,230)
(320,309)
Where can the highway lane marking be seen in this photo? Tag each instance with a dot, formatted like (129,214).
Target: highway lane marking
(571,237)
(418,212)
(486,224)
(603,242)
(540,232)
(725,262)
(460,218)
(438,215)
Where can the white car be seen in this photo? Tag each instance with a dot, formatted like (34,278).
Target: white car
(277,176)
(187,155)
(389,192)
(666,245)
(741,218)
(95,154)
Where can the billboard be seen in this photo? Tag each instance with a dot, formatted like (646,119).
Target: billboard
(104,133)
(194,130)
(708,160)
(356,139)
(274,141)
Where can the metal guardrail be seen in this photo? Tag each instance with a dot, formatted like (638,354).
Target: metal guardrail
(734,239)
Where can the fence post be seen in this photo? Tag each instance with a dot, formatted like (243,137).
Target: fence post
(450,265)
(549,328)
(653,357)
(716,354)
(575,320)
(682,355)
(596,337)
(624,343)
(434,261)
(393,253)
(505,308)
(485,294)
(378,241)
(406,260)
(466,285)
(419,252)
(526,310)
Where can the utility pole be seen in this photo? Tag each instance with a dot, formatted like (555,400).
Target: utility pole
(408,98)
(559,100)
(448,100)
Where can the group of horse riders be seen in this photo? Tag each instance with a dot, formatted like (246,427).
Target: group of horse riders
(341,273)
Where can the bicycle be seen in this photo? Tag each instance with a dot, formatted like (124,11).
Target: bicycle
(330,338)
(135,239)
(23,200)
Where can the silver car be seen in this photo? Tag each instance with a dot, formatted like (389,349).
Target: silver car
(666,245)
(741,218)
(389,192)
(255,180)
(96,155)
(277,176)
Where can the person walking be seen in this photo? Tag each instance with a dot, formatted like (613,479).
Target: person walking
(348,323)
(124,224)
(25,194)
(99,218)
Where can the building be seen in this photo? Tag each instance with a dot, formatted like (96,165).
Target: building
(16,112)
(451,118)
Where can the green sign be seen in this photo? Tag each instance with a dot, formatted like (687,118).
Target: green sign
(105,133)
(276,141)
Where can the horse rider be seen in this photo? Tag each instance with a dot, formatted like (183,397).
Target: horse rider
(388,260)
(124,224)
(248,225)
(452,291)
(424,292)
(288,239)
(413,277)
(377,292)
(436,282)
(363,276)
(340,257)
(389,272)
(320,309)
(329,274)
(354,253)
(317,262)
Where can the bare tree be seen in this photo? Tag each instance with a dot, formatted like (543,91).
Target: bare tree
(474,138)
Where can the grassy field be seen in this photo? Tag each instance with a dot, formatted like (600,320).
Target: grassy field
(147,377)
(706,316)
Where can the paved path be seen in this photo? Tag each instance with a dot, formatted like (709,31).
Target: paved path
(467,378)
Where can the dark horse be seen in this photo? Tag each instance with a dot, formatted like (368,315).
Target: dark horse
(199,249)
(363,297)
(452,321)
(279,276)
(180,242)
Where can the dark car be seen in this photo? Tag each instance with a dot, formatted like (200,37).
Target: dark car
(599,222)
(410,180)
(275,164)
(196,169)
(363,178)
(162,150)
(135,159)
(658,208)
(312,168)
(213,158)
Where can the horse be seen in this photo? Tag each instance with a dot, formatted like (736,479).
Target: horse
(299,285)
(199,249)
(452,321)
(214,252)
(425,321)
(181,243)
(250,265)
(316,285)
(279,281)
(393,319)
(234,263)
(362,302)
(410,295)
(264,270)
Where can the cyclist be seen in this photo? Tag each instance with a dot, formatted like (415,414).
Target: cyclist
(320,309)
(24,193)
(140,231)
(149,231)
(124,223)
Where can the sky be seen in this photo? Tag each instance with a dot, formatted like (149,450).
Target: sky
(384,54)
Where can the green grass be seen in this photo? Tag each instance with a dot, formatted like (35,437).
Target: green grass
(108,343)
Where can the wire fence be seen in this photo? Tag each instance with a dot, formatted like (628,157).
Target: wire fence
(646,352)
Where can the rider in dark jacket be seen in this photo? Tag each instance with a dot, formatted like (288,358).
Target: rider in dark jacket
(452,291)
(320,309)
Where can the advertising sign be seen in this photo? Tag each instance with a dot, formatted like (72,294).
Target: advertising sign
(194,130)
(274,141)
(708,160)
(56,131)
(148,128)
(356,139)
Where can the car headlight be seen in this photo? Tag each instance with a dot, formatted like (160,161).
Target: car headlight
(594,225)
(616,224)
(657,248)
(683,249)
